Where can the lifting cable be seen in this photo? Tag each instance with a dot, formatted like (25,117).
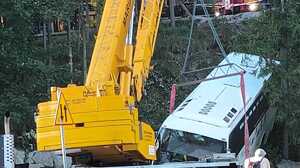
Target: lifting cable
(212,27)
(223,53)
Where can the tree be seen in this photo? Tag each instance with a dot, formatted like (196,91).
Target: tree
(275,36)
(24,68)
(168,61)
(19,67)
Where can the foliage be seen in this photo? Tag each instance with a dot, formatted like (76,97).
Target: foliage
(275,36)
(16,64)
(25,75)
(168,62)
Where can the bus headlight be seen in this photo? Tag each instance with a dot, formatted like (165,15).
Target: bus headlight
(253,7)
(217,14)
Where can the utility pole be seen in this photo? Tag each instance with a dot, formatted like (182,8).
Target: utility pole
(172,12)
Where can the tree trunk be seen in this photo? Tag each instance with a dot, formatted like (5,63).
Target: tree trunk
(44,35)
(185,8)
(282,5)
(285,149)
(84,54)
(70,49)
(283,52)
(49,31)
(79,31)
(87,21)
(172,13)
(84,41)
(1,21)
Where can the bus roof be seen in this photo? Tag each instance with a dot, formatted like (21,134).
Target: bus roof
(215,106)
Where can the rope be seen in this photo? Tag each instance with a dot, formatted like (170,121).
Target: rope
(212,27)
(190,38)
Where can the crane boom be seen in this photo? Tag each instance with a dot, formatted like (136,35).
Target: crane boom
(145,42)
(108,53)
(100,118)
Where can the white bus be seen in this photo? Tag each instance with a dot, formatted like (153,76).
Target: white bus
(210,121)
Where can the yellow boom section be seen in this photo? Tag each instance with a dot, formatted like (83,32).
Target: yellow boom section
(108,53)
(145,42)
(100,118)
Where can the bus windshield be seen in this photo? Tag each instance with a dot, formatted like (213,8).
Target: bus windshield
(189,144)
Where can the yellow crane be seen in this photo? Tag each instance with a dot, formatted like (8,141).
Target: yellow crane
(101,118)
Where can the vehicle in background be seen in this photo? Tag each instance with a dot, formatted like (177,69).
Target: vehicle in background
(225,7)
(208,125)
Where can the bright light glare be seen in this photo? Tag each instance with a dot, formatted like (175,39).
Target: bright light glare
(253,7)
(217,14)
